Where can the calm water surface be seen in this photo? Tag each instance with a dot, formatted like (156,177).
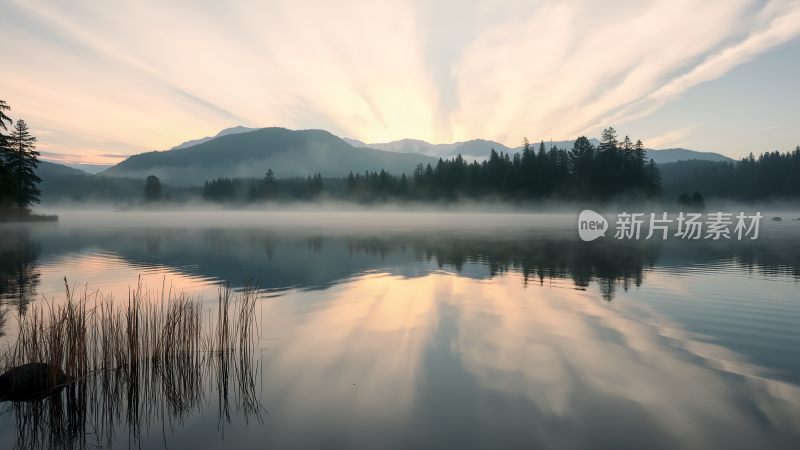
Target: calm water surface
(460,331)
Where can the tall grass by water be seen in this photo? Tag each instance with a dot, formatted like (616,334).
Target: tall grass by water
(153,359)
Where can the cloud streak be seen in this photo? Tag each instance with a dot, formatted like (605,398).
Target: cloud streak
(102,79)
(672,138)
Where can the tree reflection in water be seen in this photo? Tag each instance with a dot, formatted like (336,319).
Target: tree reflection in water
(19,275)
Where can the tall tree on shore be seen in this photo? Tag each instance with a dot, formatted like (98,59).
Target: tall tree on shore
(4,121)
(152,189)
(6,184)
(6,187)
(22,159)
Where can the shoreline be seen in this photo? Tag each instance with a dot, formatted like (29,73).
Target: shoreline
(26,218)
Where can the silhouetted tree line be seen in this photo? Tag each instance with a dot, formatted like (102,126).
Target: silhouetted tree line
(584,172)
(614,168)
(18,162)
(691,202)
(611,169)
(772,175)
(269,188)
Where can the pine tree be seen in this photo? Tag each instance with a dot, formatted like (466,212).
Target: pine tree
(314,185)
(269,185)
(6,188)
(319,185)
(639,153)
(4,122)
(653,178)
(608,140)
(6,183)
(269,177)
(152,189)
(581,157)
(21,161)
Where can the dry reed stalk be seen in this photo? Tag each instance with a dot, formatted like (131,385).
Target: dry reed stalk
(154,356)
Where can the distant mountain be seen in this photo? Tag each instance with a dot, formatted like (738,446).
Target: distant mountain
(566,145)
(237,152)
(225,132)
(84,168)
(90,168)
(288,153)
(49,169)
(476,149)
(669,155)
(479,149)
(249,152)
(62,183)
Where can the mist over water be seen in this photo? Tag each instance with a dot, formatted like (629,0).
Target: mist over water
(390,328)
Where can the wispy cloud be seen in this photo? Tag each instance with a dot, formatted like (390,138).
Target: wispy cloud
(773,25)
(673,138)
(777,127)
(114,78)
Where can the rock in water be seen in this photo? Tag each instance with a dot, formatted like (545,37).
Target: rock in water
(31,381)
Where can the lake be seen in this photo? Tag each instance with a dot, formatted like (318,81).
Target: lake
(432,330)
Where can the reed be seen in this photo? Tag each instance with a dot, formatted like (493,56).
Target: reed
(149,358)
(90,333)
(3,313)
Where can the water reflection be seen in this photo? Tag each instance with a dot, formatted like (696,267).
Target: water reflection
(19,275)
(93,373)
(108,258)
(540,259)
(626,378)
(464,363)
(123,407)
(467,339)
(285,258)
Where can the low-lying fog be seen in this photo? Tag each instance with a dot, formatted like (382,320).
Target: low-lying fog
(352,217)
(315,218)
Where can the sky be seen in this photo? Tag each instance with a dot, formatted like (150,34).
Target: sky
(98,81)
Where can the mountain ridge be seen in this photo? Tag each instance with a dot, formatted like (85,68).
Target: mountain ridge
(289,153)
(225,132)
(48,169)
(249,152)
(668,155)
(479,149)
